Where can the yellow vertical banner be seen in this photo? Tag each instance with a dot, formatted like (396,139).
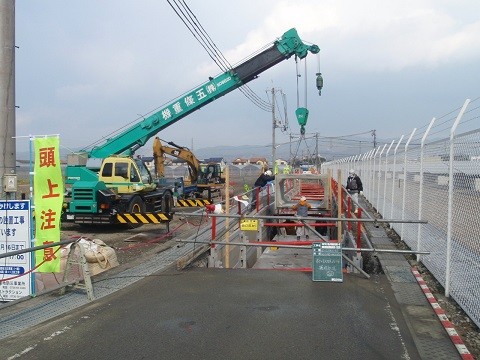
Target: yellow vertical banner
(48,199)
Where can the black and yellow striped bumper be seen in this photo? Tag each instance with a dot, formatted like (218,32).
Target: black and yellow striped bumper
(142,218)
(193,203)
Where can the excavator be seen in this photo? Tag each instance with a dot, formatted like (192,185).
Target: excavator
(108,185)
(202,178)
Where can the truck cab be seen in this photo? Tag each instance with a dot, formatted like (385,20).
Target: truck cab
(126,175)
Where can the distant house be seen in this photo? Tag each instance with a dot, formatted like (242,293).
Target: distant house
(240,161)
(259,161)
(178,162)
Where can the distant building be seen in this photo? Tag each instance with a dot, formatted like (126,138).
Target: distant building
(177,162)
(240,161)
(259,161)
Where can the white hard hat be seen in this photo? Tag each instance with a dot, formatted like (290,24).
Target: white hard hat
(303,198)
(268,173)
(352,171)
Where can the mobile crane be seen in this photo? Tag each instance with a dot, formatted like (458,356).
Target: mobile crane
(109,186)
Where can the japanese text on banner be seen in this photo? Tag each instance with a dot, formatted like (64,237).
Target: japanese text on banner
(48,199)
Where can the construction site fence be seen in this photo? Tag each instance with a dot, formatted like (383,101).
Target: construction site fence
(431,174)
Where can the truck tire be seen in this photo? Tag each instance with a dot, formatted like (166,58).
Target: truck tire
(136,205)
(167,202)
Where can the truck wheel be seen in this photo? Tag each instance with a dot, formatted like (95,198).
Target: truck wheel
(136,205)
(167,202)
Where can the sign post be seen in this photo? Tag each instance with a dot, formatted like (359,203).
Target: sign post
(327,262)
(15,235)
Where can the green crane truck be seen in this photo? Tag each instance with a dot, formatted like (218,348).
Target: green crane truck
(108,185)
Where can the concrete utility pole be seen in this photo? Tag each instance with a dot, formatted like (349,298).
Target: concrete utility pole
(274,126)
(374,134)
(8,159)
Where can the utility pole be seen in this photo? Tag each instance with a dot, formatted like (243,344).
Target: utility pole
(8,179)
(274,126)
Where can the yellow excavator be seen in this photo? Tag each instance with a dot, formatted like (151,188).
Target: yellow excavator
(202,177)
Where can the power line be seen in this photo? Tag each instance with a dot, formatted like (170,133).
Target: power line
(192,23)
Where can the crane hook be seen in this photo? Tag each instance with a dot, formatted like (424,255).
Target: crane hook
(319,83)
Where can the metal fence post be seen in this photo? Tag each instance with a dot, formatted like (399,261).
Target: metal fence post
(369,171)
(393,175)
(420,196)
(362,167)
(450,198)
(378,176)
(385,179)
(405,180)
(374,174)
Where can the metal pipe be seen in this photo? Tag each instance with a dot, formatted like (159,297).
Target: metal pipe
(309,218)
(280,245)
(355,266)
(35,248)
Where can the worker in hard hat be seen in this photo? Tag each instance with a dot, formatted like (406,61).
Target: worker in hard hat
(260,183)
(301,209)
(354,187)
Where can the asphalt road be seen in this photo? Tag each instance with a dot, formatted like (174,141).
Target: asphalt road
(228,314)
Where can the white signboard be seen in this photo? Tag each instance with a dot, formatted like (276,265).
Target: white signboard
(15,235)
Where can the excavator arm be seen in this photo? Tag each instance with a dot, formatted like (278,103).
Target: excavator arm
(177,151)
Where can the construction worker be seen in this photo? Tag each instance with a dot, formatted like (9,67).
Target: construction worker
(286,169)
(260,183)
(301,209)
(354,187)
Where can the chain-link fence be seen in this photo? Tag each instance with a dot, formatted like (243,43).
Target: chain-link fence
(433,175)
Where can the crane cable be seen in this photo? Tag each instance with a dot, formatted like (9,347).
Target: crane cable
(302,134)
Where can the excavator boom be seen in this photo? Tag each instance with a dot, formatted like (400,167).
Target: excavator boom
(179,152)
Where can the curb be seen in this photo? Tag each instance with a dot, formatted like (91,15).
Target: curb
(448,326)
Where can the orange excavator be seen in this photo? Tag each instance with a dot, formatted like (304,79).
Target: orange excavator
(201,177)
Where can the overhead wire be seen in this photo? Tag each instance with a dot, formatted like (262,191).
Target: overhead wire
(186,15)
(192,23)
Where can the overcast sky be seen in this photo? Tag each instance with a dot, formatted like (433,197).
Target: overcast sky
(87,68)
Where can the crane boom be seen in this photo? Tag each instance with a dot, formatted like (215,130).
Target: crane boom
(136,136)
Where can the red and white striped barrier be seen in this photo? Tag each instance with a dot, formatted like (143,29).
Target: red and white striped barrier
(456,339)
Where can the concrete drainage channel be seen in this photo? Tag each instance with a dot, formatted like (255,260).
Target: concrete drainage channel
(48,306)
